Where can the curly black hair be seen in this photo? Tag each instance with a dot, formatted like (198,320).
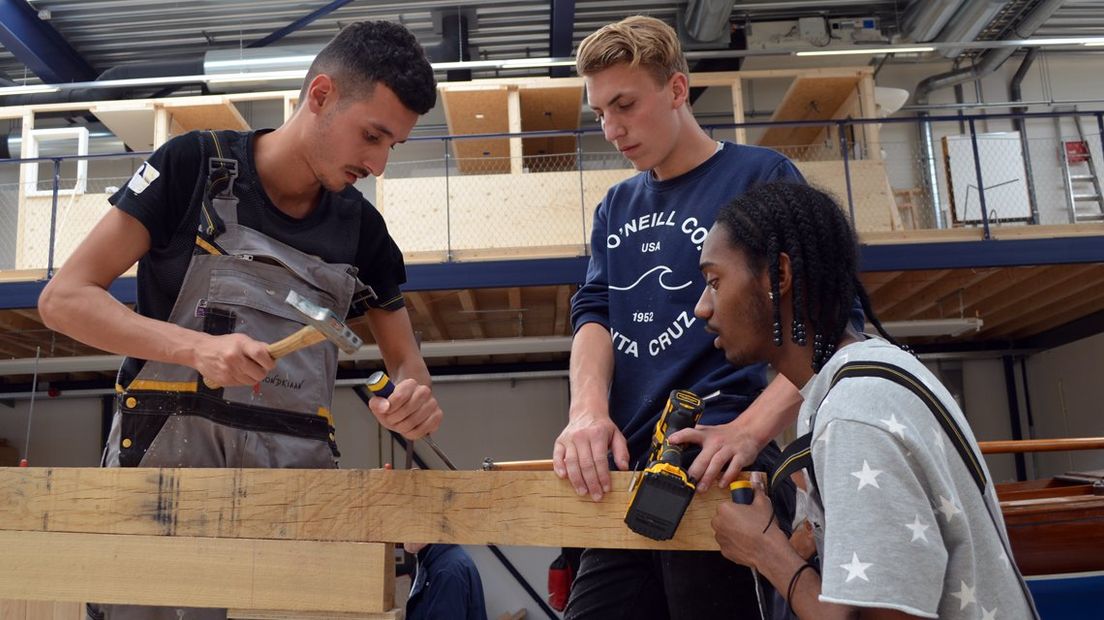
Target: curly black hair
(366,53)
(809,226)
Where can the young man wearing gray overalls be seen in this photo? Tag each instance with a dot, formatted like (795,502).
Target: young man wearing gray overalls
(223,226)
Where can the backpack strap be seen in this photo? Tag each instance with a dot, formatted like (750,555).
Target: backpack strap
(798,455)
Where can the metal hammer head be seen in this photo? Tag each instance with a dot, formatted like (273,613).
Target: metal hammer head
(326,322)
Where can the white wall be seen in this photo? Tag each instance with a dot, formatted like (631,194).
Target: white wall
(1066,402)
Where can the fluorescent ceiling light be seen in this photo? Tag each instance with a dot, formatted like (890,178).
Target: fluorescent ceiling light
(865,50)
(930,327)
(532,63)
(28,90)
(262,76)
(1094,44)
(237,63)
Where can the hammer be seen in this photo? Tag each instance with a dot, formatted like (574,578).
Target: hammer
(322,324)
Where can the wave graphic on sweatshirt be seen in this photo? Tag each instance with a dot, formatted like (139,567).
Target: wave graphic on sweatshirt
(663,271)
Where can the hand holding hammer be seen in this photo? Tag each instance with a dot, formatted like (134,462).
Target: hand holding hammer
(322,324)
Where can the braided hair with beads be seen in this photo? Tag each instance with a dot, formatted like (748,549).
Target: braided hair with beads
(809,227)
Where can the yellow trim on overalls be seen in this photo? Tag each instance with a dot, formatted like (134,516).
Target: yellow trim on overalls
(325,413)
(162,386)
(210,249)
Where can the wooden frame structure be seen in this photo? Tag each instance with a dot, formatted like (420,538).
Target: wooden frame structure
(300,542)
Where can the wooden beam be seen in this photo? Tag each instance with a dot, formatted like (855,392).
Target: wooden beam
(1052,298)
(198,572)
(464,507)
(467,301)
(875,280)
(437,328)
(41,610)
(1030,326)
(563,310)
(737,90)
(903,288)
(514,296)
(943,286)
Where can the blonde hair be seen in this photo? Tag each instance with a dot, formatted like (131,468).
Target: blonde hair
(638,41)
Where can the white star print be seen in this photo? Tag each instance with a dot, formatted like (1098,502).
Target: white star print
(867,476)
(988,614)
(895,427)
(824,436)
(855,568)
(918,530)
(1004,558)
(938,436)
(948,508)
(965,596)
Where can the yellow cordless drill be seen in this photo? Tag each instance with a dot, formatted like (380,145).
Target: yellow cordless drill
(664,489)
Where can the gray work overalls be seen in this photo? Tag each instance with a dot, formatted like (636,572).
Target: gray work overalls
(236,283)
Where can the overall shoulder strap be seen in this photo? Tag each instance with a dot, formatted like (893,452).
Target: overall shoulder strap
(218,184)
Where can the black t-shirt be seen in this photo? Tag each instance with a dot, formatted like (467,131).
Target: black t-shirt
(164,195)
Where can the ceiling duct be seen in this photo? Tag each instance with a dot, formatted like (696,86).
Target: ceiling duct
(129,71)
(968,22)
(991,60)
(707,20)
(924,19)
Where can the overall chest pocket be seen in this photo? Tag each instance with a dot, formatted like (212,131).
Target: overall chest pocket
(250,299)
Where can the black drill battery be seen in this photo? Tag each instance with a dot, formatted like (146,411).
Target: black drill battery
(664,490)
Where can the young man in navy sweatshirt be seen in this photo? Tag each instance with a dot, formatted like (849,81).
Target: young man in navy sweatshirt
(636,337)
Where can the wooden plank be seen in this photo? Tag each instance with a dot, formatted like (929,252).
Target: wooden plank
(464,507)
(808,99)
(197,572)
(1076,308)
(870,191)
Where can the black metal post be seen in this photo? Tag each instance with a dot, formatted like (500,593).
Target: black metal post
(53,217)
(1014,412)
(841,126)
(980,184)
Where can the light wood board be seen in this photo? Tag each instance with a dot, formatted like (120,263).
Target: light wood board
(197,572)
(465,507)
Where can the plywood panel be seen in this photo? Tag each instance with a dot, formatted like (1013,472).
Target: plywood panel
(871,193)
(808,99)
(480,111)
(497,212)
(197,572)
(219,115)
(550,109)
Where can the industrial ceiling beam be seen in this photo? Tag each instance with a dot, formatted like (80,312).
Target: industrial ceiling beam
(561,34)
(37,45)
(300,23)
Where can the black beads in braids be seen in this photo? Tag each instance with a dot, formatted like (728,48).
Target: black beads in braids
(810,228)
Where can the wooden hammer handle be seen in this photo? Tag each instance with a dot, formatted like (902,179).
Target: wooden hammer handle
(305,337)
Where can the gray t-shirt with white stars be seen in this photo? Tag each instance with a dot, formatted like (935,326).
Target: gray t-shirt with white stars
(903,524)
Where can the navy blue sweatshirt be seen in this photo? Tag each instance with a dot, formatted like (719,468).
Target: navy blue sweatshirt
(446,586)
(643,282)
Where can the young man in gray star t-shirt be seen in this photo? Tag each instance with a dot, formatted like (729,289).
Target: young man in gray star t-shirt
(906,525)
